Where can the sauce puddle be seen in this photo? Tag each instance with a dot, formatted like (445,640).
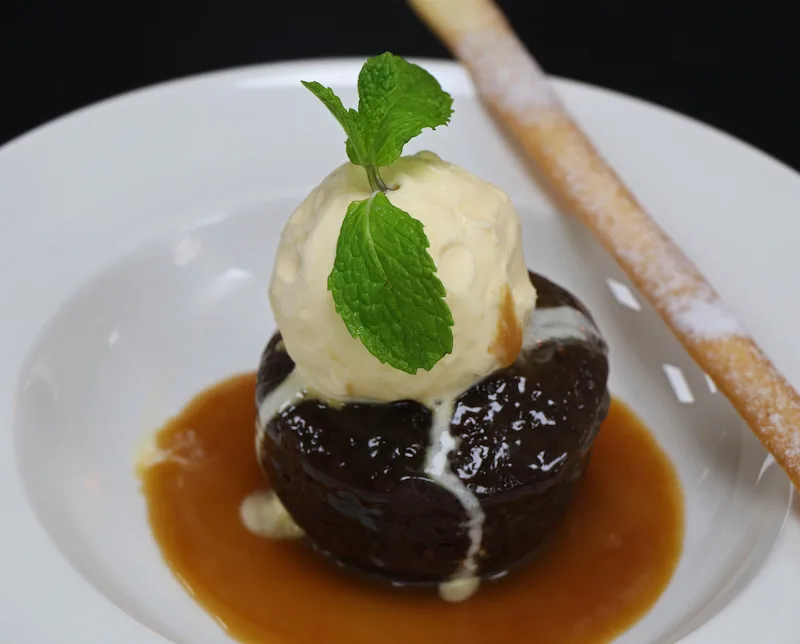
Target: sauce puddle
(612,557)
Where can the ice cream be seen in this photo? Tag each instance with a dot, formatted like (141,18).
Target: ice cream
(475,242)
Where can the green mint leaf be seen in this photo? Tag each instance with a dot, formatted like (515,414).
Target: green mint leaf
(330,100)
(397,100)
(350,120)
(385,288)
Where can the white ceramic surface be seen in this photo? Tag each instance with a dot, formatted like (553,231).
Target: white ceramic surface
(136,240)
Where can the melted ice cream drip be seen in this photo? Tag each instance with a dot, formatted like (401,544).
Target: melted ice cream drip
(291,390)
(263,514)
(558,323)
(465,582)
(546,324)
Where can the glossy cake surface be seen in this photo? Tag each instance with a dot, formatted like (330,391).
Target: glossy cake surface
(353,476)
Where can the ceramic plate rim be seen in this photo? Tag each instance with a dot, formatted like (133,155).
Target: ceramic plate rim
(20,622)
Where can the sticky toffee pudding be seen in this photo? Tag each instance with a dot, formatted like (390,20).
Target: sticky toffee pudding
(360,479)
(604,566)
(429,417)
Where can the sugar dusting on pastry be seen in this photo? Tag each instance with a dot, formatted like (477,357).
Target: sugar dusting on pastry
(705,317)
(506,73)
(594,190)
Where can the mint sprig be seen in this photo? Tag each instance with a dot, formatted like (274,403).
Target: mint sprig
(384,282)
(396,101)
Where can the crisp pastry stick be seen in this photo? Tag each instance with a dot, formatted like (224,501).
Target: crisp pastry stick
(515,89)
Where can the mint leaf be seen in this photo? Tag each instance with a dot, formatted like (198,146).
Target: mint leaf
(350,120)
(385,288)
(397,100)
(330,100)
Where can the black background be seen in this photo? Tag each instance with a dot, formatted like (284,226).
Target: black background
(734,65)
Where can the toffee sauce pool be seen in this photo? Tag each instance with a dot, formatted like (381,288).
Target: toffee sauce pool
(608,563)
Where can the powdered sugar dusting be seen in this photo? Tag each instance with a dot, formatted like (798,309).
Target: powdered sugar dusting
(506,73)
(763,397)
(705,318)
(639,244)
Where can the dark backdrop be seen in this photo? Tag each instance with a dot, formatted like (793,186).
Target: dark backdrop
(733,64)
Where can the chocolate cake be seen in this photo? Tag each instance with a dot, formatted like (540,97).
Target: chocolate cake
(354,477)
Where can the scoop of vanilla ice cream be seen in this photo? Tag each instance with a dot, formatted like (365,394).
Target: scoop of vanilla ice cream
(475,241)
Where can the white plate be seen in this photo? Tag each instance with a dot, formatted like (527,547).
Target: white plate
(136,240)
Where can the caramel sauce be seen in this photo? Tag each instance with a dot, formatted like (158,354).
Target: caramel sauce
(612,557)
(508,341)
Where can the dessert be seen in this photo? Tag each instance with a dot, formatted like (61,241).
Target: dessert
(428,406)
(425,415)
(357,476)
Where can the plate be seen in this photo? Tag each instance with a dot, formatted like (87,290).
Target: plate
(137,239)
